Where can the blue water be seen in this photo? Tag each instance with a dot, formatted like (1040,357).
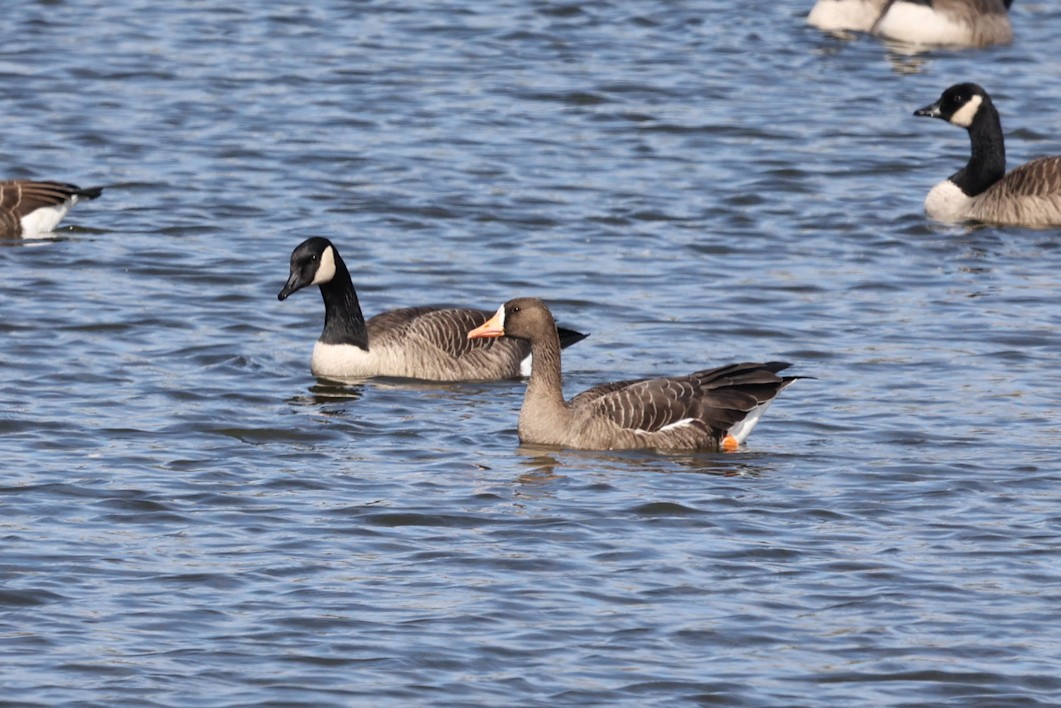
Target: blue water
(190,518)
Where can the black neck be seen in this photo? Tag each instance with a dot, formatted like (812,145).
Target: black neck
(343,321)
(987,164)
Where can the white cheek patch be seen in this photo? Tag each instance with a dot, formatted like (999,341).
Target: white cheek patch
(326,269)
(963,117)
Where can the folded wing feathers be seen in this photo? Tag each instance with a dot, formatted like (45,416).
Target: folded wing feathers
(718,398)
(1039,177)
(434,343)
(22,197)
(1029,195)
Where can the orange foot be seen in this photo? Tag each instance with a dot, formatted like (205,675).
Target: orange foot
(729,444)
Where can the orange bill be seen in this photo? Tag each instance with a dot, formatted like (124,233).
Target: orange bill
(493,327)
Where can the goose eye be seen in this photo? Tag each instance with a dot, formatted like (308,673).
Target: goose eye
(515,308)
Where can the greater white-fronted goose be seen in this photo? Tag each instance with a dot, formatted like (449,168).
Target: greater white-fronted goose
(958,23)
(1028,195)
(710,410)
(30,208)
(427,343)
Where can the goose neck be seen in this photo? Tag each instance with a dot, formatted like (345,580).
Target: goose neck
(987,164)
(343,321)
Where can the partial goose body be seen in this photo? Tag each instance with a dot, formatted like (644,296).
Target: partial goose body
(427,343)
(710,410)
(961,23)
(29,208)
(838,15)
(1029,195)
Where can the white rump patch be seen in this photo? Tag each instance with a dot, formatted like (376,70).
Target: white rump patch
(964,116)
(526,366)
(743,429)
(921,24)
(326,269)
(45,219)
(947,202)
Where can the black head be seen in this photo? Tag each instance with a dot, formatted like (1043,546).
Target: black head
(313,262)
(958,105)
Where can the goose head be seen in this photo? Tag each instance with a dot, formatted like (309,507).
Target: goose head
(523,318)
(958,105)
(313,262)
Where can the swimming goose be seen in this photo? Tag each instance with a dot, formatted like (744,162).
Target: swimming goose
(709,410)
(1029,195)
(962,23)
(415,342)
(29,208)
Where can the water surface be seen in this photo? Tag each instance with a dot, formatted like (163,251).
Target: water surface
(189,518)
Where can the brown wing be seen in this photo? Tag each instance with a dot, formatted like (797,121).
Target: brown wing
(444,331)
(718,398)
(1029,195)
(19,197)
(1038,178)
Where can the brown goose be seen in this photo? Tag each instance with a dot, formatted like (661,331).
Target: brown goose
(709,410)
(426,343)
(29,208)
(961,23)
(1028,195)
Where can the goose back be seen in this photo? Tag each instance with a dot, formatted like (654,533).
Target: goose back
(697,411)
(1028,195)
(29,208)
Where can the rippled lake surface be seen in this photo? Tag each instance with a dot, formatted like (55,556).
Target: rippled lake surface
(188,517)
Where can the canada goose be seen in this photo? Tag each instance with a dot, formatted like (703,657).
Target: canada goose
(709,410)
(962,23)
(1029,195)
(29,208)
(416,342)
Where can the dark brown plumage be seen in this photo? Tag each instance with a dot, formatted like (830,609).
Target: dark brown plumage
(708,410)
(28,207)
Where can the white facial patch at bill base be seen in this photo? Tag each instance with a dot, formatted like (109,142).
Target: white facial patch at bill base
(964,116)
(326,269)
